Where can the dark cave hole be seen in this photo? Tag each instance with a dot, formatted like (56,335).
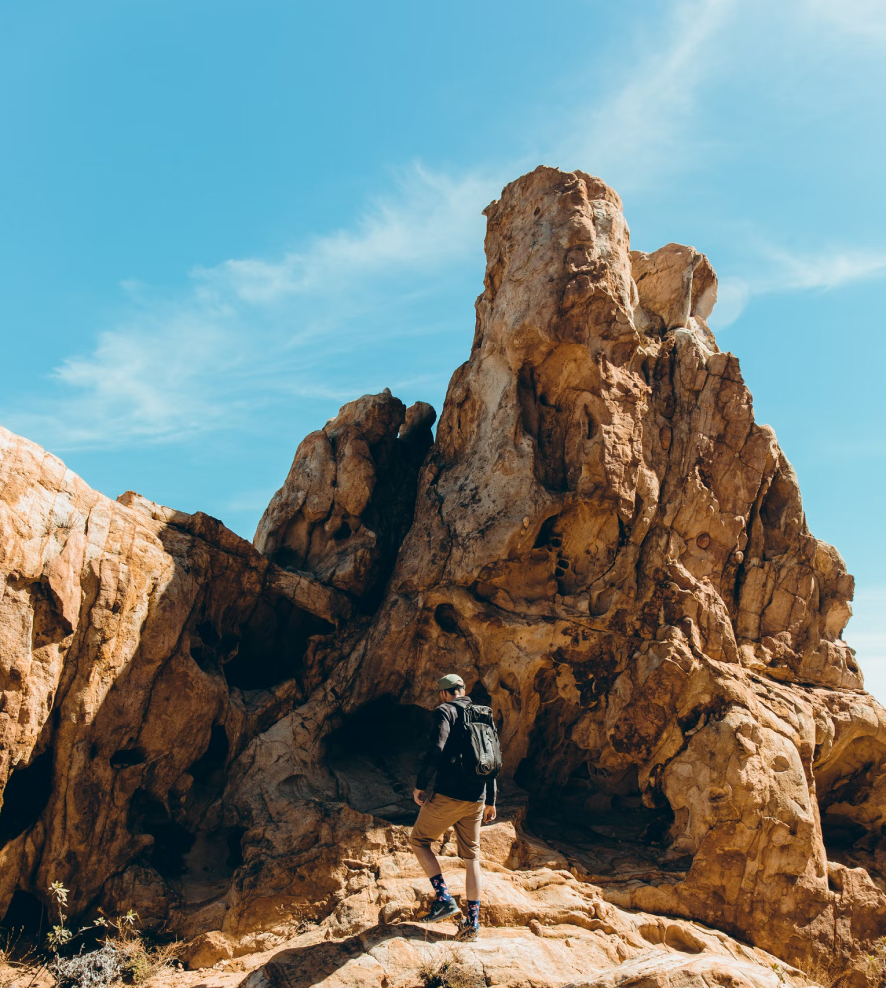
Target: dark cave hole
(647,375)
(126,757)
(208,635)
(480,695)
(213,759)
(272,645)
(546,536)
(25,913)
(446,617)
(234,840)
(596,814)
(375,754)
(172,841)
(208,648)
(591,430)
(25,798)
(839,833)
(343,532)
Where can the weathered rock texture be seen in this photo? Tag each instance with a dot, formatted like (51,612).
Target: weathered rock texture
(601,540)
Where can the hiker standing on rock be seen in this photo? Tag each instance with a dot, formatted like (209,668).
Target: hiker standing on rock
(464,753)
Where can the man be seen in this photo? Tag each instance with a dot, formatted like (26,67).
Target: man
(460,800)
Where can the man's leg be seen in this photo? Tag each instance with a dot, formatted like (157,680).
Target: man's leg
(427,859)
(473,883)
(433,821)
(467,832)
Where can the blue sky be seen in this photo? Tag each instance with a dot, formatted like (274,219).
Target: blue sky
(222,219)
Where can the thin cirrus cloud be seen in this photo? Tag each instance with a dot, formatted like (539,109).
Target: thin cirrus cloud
(185,366)
(224,349)
(642,129)
(250,329)
(431,219)
(785,272)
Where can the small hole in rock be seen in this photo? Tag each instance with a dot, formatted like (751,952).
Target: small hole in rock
(25,797)
(546,536)
(480,695)
(213,758)
(235,847)
(26,913)
(446,617)
(343,532)
(127,757)
(172,841)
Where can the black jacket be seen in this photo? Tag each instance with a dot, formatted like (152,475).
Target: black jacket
(441,758)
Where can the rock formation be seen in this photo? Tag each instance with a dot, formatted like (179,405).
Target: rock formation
(604,544)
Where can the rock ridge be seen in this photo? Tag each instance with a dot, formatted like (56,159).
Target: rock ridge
(600,539)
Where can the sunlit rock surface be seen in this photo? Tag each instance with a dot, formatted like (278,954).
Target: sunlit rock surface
(600,540)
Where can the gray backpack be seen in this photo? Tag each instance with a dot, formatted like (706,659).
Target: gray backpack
(478,747)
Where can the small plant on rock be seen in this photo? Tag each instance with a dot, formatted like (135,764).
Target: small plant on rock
(450,971)
(123,953)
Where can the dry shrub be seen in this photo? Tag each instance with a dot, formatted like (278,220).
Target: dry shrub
(450,971)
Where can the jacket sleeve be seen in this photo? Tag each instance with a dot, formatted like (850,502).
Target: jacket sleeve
(491,791)
(431,761)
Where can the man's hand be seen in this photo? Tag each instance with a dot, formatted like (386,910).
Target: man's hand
(488,814)
(418,796)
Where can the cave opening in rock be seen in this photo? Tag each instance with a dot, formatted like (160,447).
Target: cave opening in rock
(127,757)
(446,619)
(480,695)
(840,833)
(25,797)
(273,645)
(375,754)
(25,914)
(213,759)
(547,537)
(172,841)
(595,816)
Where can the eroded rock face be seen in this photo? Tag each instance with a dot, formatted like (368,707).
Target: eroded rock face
(600,540)
(348,499)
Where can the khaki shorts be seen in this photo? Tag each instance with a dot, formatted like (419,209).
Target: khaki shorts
(440,813)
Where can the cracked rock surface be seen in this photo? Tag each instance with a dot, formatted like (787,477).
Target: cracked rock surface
(599,539)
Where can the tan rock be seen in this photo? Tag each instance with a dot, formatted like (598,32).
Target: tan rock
(600,540)
(206,950)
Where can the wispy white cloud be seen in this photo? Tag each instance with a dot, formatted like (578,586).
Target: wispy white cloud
(645,127)
(834,268)
(254,328)
(863,19)
(430,219)
(779,271)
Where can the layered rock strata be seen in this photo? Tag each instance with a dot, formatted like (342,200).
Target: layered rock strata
(600,539)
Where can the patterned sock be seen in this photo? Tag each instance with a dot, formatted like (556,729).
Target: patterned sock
(474,913)
(439,884)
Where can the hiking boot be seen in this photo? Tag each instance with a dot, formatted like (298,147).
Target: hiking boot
(440,910)
(467,932)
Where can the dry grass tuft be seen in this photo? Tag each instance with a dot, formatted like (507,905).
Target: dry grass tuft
(450,971)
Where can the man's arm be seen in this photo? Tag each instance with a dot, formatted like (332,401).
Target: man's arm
(431,760)
(489,808)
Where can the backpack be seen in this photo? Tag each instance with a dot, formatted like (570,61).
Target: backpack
(479,751)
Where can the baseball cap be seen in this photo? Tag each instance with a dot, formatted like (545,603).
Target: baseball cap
(451,682)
